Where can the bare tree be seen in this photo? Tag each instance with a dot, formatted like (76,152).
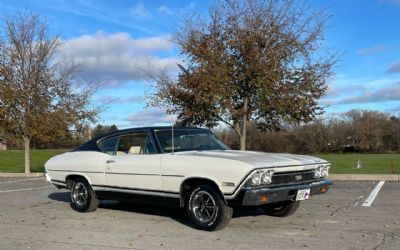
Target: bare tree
(38,93)
(252,60)
(369,129)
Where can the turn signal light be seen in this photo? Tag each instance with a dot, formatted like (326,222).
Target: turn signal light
(264,198)
(324,189)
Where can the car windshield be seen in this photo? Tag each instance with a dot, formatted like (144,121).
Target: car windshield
(188,140)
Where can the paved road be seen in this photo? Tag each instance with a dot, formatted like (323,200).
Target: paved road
(36,216)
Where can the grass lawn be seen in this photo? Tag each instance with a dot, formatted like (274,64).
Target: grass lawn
(13,161)
(370,163)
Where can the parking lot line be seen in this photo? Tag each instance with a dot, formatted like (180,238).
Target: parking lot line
(23,189)
(368,202)
(32,179)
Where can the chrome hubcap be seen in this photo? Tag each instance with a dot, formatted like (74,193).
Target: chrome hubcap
(204,206)
(79,194)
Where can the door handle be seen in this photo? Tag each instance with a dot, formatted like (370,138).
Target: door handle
(110,161)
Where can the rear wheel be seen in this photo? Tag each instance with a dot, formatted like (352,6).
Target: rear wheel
(281,209)
(207,210)
(83,198)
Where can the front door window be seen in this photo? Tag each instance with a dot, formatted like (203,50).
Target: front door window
(136,144)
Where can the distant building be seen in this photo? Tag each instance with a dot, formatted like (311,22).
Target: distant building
(3,144)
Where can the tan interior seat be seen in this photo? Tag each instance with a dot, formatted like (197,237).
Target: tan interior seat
(135,150)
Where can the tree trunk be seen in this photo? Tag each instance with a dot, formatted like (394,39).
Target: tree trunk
(243,139)
(244,128)
(27,142)
(398,142)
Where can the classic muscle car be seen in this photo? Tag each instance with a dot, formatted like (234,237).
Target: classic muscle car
(189,168)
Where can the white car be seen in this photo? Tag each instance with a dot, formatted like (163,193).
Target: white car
(189,168)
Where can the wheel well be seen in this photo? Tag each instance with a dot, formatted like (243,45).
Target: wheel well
(69,180)
(189,184)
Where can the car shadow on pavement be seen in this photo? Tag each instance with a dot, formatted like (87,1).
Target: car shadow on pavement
(64,196)
(176,214)
(247,212)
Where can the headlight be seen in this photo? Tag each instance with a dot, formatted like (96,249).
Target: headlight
(261,177)
(325,171)
(256,179)
(321,171)
(317,172)
(266,177)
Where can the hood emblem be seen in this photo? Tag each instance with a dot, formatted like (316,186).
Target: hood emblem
(298,177)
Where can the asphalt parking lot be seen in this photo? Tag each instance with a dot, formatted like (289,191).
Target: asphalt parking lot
(34,215)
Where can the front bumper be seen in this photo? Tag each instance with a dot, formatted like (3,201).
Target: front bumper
(261,196)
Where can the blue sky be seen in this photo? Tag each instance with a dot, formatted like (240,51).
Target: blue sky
(116,41)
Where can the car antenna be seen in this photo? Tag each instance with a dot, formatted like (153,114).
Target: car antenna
(173,145)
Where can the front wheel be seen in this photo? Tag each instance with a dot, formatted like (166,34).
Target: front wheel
(207,210)
(282,209)
(83,198)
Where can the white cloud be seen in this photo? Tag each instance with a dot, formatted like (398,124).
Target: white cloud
(337,90)
(394,68)
(91,10)
(387,93)
(118,57)
(394,2)
(191,5)
(153,43)
(139,12)
(372,50)
(117,99)
(135,98)
(150,117)
(165,10)
(345,90)
(395,110)
(378,49)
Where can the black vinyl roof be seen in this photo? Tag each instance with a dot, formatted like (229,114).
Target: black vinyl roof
(91,145)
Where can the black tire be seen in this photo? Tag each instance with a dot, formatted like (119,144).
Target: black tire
(83,198)
(220,213)
(281,209)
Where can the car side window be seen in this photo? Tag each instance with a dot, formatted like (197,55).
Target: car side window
(150,145)
(136,144)
(108,146)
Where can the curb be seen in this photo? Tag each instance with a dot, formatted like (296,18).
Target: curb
(364,177)
(21,175)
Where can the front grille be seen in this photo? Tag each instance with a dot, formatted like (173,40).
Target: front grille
(292,177)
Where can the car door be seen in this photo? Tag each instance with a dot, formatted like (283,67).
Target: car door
(135,163)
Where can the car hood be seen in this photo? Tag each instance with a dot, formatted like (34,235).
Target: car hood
(258,159)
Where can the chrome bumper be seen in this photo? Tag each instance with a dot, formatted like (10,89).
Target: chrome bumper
(261,196)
